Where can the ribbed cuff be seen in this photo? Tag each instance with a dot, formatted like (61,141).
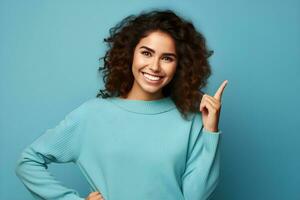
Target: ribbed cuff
(73,197)
(211,139)
(211,132)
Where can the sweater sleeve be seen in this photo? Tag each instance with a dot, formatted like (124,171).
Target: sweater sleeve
(201,174)
(59,144)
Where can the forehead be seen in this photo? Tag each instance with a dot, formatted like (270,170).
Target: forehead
(158,41)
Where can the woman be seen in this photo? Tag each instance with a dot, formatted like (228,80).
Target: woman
(151,133)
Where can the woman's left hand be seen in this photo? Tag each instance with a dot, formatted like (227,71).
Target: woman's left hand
(210,107)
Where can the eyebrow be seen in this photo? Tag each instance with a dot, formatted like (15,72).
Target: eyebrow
(166,54)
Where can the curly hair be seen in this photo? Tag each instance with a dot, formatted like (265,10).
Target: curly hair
(192,70)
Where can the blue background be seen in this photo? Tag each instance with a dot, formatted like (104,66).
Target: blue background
(49,54)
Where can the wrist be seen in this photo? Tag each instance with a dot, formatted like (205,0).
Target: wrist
(211,129)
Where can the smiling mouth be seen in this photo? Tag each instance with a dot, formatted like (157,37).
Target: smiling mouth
(152,79)
(152,75)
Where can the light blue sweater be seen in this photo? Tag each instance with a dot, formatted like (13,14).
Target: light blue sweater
(127,150)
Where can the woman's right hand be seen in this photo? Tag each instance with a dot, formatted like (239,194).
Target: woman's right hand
(94,196)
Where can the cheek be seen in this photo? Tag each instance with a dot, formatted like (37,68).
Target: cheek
(171,70)
(138,64)
(139,60)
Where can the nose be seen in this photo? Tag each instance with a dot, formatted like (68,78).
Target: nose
(155,65)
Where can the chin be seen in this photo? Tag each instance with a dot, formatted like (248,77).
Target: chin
(151,90)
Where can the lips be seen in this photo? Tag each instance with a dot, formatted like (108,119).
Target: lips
(153,74)
(155,82)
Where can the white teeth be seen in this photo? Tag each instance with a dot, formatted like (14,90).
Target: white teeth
(153,78)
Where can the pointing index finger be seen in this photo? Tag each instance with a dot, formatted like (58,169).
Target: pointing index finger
(218,94)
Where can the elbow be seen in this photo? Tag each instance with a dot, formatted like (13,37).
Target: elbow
(213,183)
(18,171)
(18,167)
(212,189)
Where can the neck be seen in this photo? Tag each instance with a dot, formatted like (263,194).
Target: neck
(144,106)
(145,97)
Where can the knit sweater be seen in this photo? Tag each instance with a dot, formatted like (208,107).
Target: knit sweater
(127,150)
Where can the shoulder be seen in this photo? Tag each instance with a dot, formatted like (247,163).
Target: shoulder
(82,108)
(92,106)
(91,103)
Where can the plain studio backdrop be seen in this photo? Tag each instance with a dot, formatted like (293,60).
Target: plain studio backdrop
(49,54)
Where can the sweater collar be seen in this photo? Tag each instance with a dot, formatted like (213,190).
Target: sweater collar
(144,106)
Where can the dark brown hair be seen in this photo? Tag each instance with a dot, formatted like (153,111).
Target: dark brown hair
(192,70)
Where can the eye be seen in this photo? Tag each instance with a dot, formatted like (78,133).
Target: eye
(169,58)
(146,53)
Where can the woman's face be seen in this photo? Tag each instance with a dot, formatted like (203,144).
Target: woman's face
(153,67)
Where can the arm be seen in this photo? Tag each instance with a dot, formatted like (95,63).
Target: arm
(201,175)
(60,145)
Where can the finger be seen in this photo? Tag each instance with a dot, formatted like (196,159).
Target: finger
(97,197)
(208,104)
(93,194)
(212,101)
(215,102)
(100,195)
(218,94)
(202,104)
(101,198)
